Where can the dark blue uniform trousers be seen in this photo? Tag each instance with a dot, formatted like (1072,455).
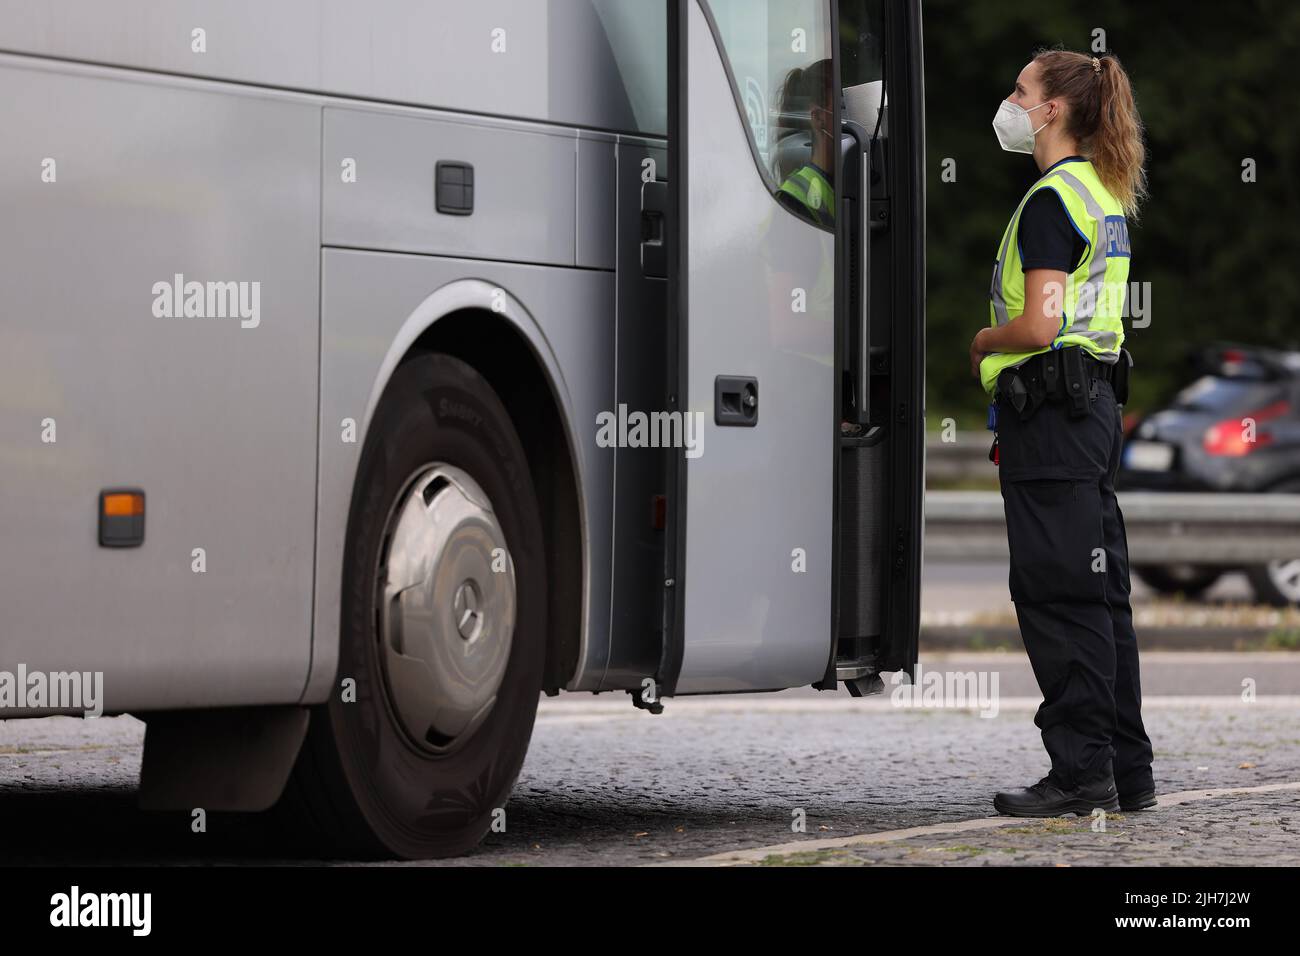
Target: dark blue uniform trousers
(1070,584)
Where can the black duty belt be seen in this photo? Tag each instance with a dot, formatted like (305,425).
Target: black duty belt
(1062,374)
(1037,366)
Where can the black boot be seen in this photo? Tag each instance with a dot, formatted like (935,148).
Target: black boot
(1137,789)
(1049,798)
(1138,801)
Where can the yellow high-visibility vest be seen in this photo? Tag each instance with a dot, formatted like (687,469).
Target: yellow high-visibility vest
(1093,298)
(810,187)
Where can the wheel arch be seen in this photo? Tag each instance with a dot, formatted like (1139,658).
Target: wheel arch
(500,351)
(490,329)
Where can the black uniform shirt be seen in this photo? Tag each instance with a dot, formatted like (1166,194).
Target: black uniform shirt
(1047,237)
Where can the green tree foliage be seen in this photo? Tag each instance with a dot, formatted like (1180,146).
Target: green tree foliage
(1215,84)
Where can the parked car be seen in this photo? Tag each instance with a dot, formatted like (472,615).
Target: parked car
(1235,428)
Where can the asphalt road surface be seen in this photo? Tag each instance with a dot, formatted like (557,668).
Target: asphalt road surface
(798,777)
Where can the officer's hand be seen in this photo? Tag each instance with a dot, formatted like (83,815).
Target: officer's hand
(976,354)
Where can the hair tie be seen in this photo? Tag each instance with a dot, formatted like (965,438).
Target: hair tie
(1096,65)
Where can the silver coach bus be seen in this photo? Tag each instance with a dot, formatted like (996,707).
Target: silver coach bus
(368,369)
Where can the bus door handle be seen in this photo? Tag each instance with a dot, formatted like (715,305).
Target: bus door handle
(735,400)
(654,251)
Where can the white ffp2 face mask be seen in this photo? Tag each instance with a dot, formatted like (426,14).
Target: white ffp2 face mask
(1015,131)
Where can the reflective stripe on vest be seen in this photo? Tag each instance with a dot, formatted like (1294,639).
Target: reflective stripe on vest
(1093,301)
(810,187)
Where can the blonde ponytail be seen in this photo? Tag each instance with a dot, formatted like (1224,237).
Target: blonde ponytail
(1102,117)
(1117,149)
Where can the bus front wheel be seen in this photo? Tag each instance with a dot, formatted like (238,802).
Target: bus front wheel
(443,639)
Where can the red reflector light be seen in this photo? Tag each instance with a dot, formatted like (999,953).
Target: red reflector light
(658,512)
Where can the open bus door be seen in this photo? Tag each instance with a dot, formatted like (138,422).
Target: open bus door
(881,318)
(795,344)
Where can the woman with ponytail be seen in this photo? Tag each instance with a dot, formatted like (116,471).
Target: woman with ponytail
(1053,362)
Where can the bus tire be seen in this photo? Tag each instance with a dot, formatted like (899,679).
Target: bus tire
(365,780)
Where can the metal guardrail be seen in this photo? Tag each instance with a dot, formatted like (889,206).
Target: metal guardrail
(1162,527)
(964,458)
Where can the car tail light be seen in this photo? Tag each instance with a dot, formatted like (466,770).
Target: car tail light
(1228,437)
(1231,360)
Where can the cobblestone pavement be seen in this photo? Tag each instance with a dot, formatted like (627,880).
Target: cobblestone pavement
(604,784)
(1255,826)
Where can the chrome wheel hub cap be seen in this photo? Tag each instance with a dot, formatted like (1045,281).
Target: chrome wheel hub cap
(447,606)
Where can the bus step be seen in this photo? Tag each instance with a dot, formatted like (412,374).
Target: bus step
(859,681)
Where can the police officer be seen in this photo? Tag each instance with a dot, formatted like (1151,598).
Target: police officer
(1052,359)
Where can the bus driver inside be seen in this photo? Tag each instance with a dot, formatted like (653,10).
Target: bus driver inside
(807,190)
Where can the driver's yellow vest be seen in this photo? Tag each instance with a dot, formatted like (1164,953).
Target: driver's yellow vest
(1092,302)
(809,187)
